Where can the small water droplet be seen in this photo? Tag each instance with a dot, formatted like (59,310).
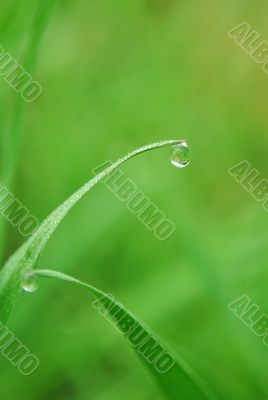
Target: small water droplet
(29,284)
(180,155)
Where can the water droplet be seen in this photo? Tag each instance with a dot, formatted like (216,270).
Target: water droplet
(29,284)
(180,155)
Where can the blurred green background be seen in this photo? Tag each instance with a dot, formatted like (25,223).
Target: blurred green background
(118,75)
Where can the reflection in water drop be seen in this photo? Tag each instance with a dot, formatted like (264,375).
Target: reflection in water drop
(29,284)
(180,155)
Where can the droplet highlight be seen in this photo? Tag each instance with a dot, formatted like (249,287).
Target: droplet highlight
(29,284)
(180,155)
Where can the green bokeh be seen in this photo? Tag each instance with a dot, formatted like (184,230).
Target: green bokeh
(118,75)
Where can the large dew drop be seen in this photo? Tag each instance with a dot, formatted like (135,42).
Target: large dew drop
(29,284)
(180,155)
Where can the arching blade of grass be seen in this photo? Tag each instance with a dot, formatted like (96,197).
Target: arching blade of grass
(25,258)
(12,135)
(176,382)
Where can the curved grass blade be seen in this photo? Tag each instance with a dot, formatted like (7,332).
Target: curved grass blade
(26,257)
(176,379)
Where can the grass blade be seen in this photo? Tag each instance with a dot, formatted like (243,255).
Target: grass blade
(177,382)
(26,257)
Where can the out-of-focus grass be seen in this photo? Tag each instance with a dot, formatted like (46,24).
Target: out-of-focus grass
(115,76)
(12,130)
